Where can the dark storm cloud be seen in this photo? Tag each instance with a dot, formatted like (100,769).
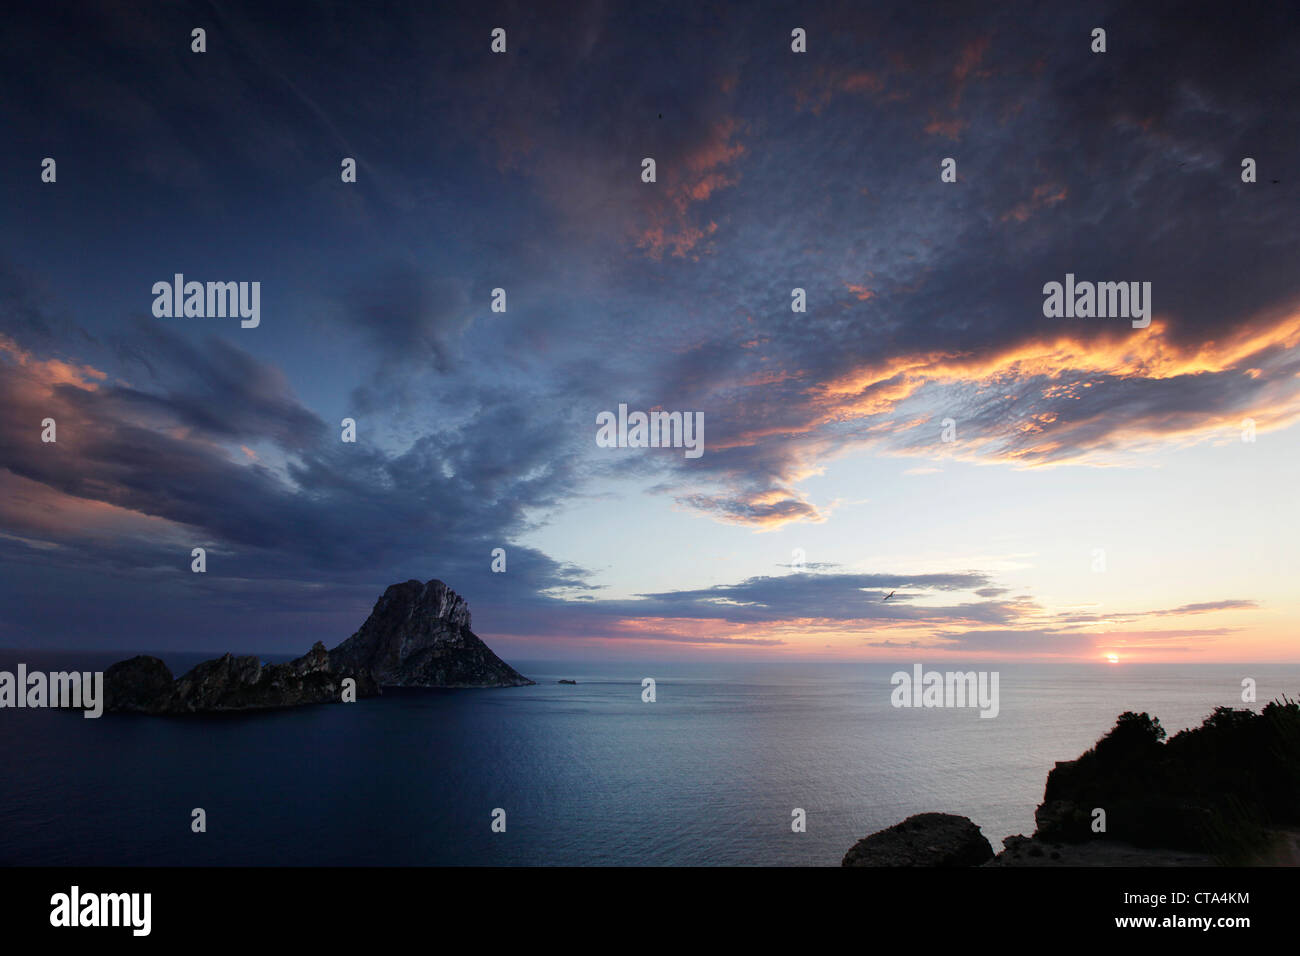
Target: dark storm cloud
(217,449)
(409,318)
(850,603)
(210,386)
(1062,169)
(833,596)
(775,171)
(841,601)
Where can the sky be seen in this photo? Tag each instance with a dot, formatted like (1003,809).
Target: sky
(1025,485)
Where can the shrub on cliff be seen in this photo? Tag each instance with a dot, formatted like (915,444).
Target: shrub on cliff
(1217,787)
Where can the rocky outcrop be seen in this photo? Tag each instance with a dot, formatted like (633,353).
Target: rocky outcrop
(141,685)
(1225,792)
(927,839)
(144,684)
(419,635)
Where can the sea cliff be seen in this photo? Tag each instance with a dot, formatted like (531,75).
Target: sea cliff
(1226,792)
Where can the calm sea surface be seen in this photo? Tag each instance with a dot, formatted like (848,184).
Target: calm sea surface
(587,774)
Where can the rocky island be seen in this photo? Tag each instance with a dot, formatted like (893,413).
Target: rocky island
(418,635)
(1224,793)
(144,684)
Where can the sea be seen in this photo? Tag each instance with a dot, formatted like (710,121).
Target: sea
(717,771)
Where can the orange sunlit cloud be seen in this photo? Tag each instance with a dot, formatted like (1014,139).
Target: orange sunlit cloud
(694,179)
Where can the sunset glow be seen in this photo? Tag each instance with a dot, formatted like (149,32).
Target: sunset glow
(904,448)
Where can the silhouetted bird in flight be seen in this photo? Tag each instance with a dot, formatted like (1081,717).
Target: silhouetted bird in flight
(889,595)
